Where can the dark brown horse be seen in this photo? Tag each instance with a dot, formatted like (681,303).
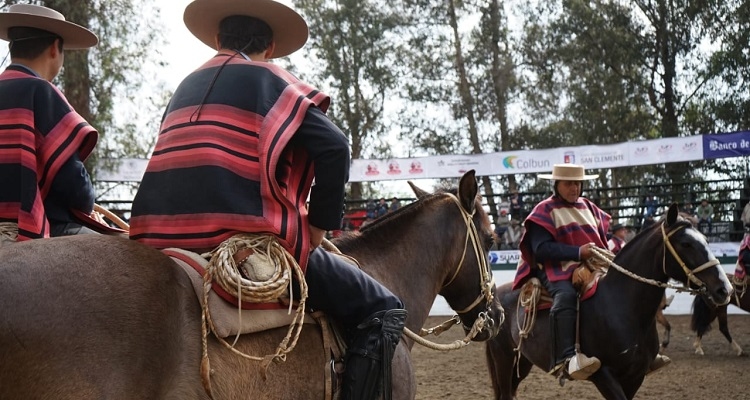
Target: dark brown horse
(618,323)
(100,317)
(704,314)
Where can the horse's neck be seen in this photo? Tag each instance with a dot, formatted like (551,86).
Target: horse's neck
(410,263)
(630,295)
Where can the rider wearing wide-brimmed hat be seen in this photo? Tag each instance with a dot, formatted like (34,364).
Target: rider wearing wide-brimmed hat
(239,146)
(615,243)
(560,232)
(42,177)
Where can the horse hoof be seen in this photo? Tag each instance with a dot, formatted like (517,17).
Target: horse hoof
(699,352)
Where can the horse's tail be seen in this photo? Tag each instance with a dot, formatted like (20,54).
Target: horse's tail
(703,315)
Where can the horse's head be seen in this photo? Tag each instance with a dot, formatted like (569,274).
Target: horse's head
(468,286)
(688,259)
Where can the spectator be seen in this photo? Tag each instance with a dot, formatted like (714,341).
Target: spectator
(501,223)
(516,205)
(704,212)
(618,239)
(395,204)
(372,209)
(513,235)
(382,208)
(746,215)
(688,212)
(651,205)
(648,221)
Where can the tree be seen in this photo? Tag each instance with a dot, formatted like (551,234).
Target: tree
(352,53)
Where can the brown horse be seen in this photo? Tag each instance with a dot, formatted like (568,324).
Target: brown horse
(618,323)
(704,314)
(100,317)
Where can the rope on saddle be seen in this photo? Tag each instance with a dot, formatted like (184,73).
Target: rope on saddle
(8,231)
(740,288)
(528,299)
(223,270)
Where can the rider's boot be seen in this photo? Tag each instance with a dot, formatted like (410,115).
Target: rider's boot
(368,362)
(578,366)
(659,362)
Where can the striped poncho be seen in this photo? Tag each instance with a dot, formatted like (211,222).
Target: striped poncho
(573,224)
(743,255)
(221,165)
(39,132)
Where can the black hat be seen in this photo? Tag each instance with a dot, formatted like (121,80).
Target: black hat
(617,227)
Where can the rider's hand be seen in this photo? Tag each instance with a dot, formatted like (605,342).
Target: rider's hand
(316,236)
(585,252)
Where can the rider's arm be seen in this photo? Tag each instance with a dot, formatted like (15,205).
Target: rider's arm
(328,149)
(545,248)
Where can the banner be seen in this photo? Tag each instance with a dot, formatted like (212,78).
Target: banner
(726,145)
(643,152)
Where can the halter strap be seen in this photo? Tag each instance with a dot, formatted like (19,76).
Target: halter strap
(688,272)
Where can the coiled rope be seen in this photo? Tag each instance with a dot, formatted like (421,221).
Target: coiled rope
(266,252)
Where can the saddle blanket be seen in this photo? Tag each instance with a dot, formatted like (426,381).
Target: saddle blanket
(228,319)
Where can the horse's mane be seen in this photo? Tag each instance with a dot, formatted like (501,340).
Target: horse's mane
(382,226)
(650,232)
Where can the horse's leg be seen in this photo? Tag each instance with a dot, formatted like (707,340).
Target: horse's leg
(700,322)
(607,385)
(697,345)
(501,363)
(721,314)
(661,319)
(404,384)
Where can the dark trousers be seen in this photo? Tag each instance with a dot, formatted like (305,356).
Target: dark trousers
(343,291)
(69,228)
(564,296)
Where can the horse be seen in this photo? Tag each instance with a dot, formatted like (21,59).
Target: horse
(95,316)
(617,324)
(704,314)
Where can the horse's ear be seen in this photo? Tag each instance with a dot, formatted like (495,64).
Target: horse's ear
(417,191)
(467,190)
(672,214)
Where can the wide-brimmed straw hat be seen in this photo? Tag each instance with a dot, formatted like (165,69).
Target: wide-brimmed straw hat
(568,172)
(290,32)
(32,16)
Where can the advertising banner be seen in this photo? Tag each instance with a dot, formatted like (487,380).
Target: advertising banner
(726,145)
(660,151)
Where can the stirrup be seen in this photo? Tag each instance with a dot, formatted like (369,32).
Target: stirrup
(580,367)
(658,363)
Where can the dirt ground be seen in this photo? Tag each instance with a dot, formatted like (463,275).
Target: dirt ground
(719,374)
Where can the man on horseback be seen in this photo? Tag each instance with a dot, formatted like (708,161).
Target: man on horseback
(43,179)
(560,233)
(239,146)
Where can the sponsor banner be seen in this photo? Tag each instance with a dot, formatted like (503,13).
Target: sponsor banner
(659,151)
(508,259)
(525,161)
(420,168)
(726,145)
(596,157)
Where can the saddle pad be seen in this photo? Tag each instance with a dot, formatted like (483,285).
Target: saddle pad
(227,318)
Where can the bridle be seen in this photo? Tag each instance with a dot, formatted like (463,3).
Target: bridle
(688,272)
(486,281)
(486,293)
(668,245)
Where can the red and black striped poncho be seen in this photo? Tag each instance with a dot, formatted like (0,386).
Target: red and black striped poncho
(39,132)
(221,165)
(573,224)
